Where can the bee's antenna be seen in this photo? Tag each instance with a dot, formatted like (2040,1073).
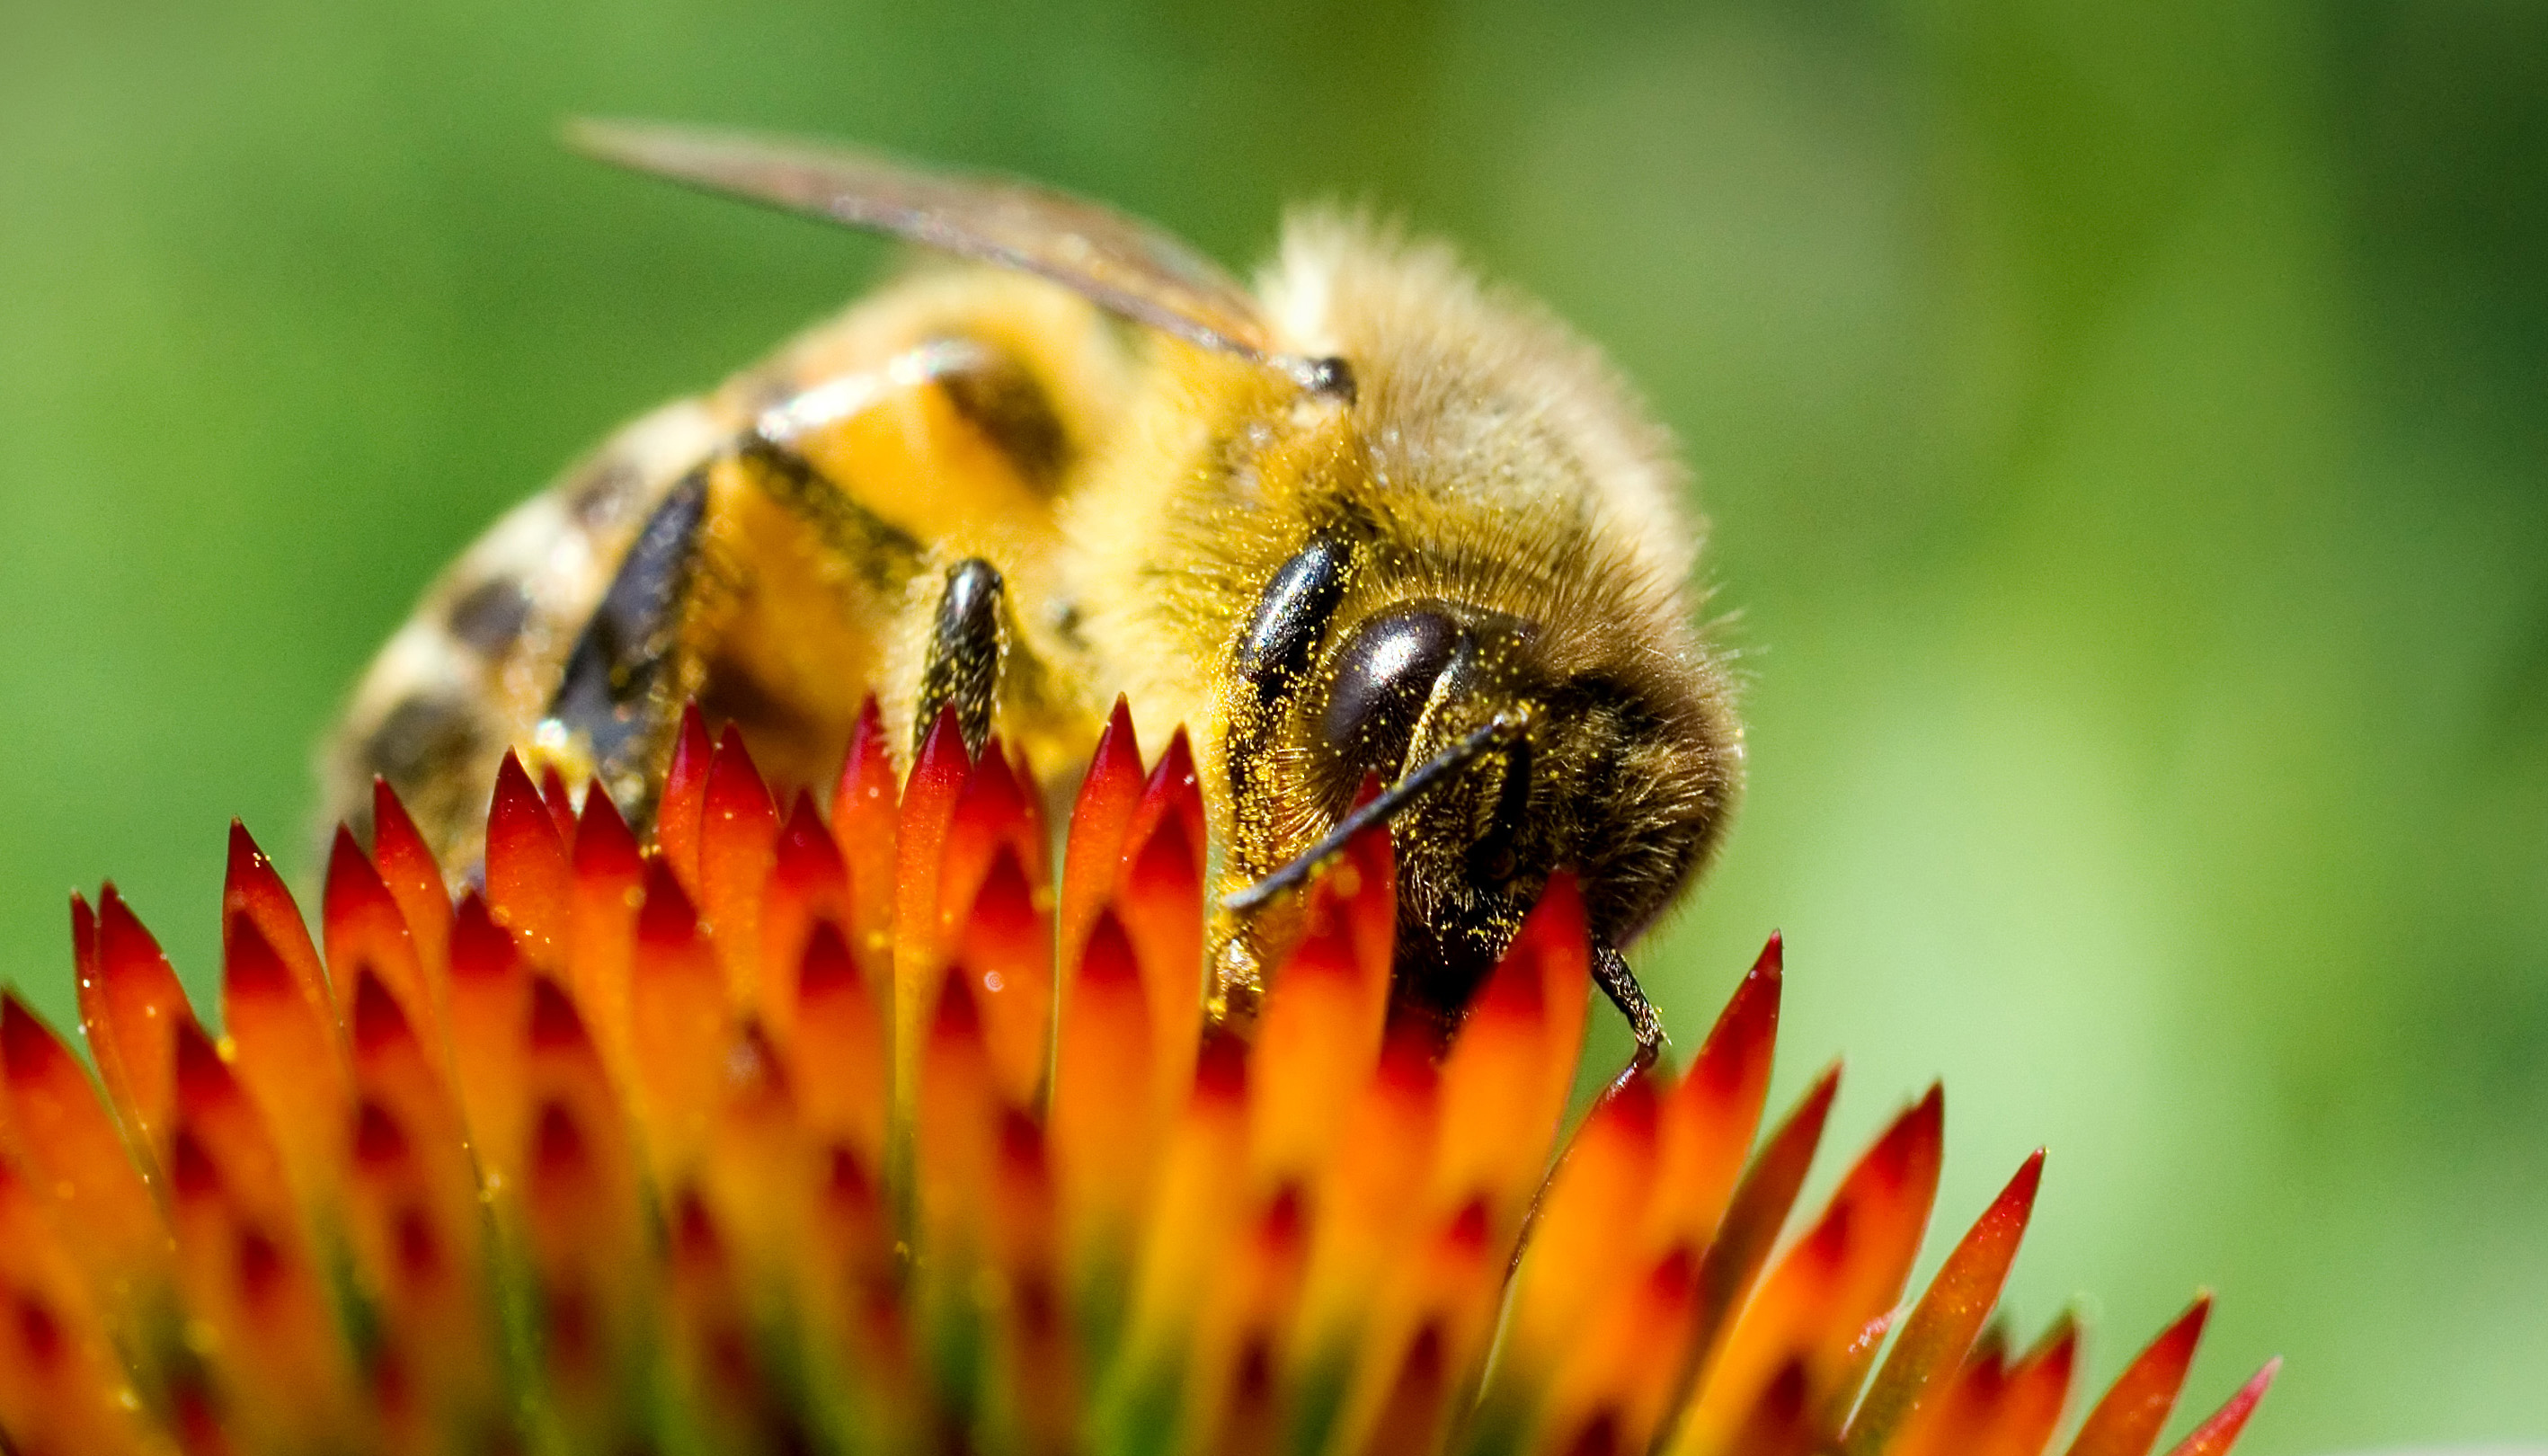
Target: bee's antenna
(1502,729)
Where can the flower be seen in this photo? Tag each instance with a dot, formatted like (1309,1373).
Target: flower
(802,1132)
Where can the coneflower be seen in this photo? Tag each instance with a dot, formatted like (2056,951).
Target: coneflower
(805,1130)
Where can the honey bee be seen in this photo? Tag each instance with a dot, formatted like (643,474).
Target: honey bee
(1367,521)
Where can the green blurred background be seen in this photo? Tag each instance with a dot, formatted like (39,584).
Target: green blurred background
(2126,430)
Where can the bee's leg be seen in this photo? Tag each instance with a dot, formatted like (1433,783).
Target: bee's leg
(967,644)
(1610,971)
(619,692)
(970,639)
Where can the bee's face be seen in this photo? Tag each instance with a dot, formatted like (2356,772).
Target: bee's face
(1609,773)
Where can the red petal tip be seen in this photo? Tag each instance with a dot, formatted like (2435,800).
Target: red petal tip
(692,746)
(1118,747)
(942,750)
(23,1034)
(1814,1108)
(2029,1173)
(343,851)
(515,793)
(603,842)
(1746,1031)
(2129,1416)
(2221,1429)
(114,913)
(945,729)
(867,765)
(2176,1343)
(124,944)
(2057,1351)
(1912,1141)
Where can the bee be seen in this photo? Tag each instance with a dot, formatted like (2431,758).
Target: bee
(1368,521)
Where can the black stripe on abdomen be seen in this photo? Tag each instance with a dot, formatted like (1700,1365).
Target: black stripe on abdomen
(997,396)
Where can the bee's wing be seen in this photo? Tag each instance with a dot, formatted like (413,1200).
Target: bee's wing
(1120,264)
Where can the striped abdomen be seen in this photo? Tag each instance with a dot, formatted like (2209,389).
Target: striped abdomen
(773,551)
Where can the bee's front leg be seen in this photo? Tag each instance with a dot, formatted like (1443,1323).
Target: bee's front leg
(968,643)
(1611,973)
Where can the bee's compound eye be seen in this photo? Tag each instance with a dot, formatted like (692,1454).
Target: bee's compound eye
(1385,672)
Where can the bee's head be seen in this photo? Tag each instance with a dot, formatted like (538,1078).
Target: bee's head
(1507,748)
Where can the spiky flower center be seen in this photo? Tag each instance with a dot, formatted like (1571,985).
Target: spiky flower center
(860,1131)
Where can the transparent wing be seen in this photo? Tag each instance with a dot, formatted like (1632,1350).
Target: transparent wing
(1122,265)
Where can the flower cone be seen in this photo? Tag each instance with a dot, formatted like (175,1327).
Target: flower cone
(859,1128)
